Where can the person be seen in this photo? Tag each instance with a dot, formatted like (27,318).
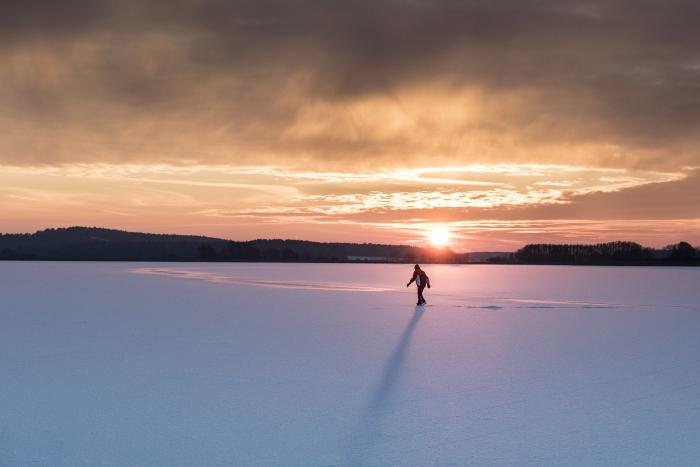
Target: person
(421,279)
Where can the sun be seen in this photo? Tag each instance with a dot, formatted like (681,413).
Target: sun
(439,236)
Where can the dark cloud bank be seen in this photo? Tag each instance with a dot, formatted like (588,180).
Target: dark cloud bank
(223,80)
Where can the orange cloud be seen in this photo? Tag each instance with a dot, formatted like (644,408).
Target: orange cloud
(229,200)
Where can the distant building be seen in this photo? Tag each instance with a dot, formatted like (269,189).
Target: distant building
(370,258)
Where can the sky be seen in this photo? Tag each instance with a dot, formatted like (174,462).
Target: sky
(500,123)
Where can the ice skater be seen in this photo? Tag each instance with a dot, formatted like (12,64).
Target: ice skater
(421,279)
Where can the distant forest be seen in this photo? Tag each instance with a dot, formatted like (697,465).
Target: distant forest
(625,253)
(98,244)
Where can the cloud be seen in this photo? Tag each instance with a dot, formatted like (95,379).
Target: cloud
(265,192)
(529,203)
(351,85)
(353,119)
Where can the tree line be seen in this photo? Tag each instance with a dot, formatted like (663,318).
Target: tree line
(606,253)
(89,243)
(97,244)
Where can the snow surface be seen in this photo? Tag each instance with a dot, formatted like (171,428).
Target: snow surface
(141,364)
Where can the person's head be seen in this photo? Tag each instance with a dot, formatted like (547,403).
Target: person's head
(416,267)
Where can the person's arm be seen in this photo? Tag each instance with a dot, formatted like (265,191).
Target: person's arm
(412,278)
(427,281)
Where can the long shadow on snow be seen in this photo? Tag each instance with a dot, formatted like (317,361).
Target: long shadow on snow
(368,432)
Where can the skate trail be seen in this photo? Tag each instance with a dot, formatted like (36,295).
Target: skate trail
(233,280)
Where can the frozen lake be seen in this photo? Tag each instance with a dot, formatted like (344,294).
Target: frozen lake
(138,364)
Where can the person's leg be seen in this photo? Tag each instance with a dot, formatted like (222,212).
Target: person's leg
(421,299)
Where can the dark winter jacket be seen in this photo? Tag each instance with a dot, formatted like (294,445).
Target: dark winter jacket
(421,278)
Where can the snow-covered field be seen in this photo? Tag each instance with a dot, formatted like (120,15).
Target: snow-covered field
(136,364)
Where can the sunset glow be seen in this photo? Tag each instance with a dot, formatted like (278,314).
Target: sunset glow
(439,236)
(134,119)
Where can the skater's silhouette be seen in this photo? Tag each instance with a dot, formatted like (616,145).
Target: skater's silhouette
(421,279)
